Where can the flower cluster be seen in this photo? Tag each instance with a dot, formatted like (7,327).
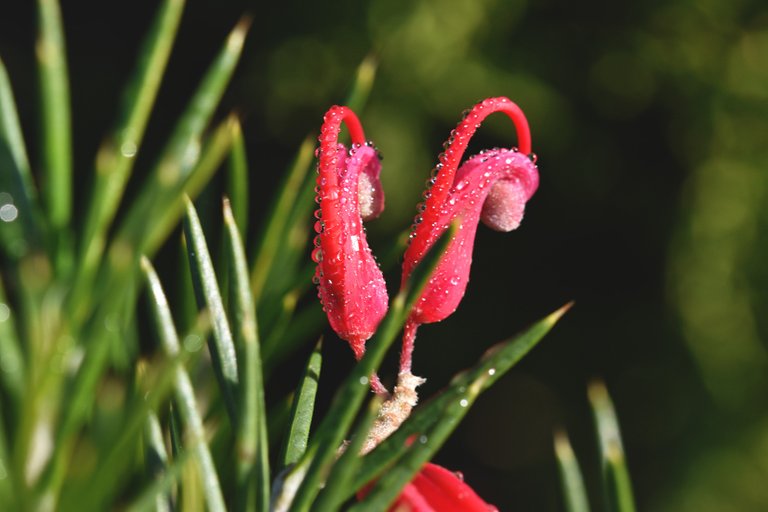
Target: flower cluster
(492,186)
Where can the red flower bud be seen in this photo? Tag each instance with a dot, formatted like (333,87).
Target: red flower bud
(350,284)
(492,186)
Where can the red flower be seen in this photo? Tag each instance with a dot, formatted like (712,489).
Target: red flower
(350,284)
(492,186)
(435,489)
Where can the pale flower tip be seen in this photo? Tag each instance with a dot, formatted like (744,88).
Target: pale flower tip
(504,206)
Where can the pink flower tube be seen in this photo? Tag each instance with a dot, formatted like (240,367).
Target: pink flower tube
(492,186)
(350,284)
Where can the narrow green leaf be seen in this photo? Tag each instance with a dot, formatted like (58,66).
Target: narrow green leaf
(278,217)
(182,152)
(237,179)
(155,383)
(303,407)
(336,488)
(252,445)
(571,479)
(444,411)
(161,487)
(185,393)
(363,83)
(21,228)
(156,459)
(56,124)
(214,152)
(174,432)
(616,482)
(9,488)
(117,155)
(12,366)
(221,346)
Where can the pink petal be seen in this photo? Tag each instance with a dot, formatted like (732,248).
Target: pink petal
(437,489)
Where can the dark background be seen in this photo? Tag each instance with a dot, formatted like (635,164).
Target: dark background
(650,121)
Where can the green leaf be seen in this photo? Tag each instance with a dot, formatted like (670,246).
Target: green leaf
(182,152)
(571,479)
(271,242)
(616,482)
(237,182)
(9,487)
(150,498)
(222,347)
(335,492)
(363,83)
(252,445)
(156,460)
(117,155)
(296,440)
(56,124)
(434,420)
(18,195)
(155,383)
(12,366)
(185,393)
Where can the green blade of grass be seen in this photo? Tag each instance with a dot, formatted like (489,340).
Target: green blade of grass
(444,414)
(147,500)
(117,155)
(181,154)
(214,152)
(616,482)
(8,485)
(270,243)
(156,460)
(112,469)
(237,179)
(56,123)
(363,83)
(185,394)
(12,366)
(251,443)
(297,437)
(497,360)
(571,479)
(18,195)
(221,345)
(335,492)
(350,396)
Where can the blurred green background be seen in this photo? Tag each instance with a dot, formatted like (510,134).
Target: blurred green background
(650,120)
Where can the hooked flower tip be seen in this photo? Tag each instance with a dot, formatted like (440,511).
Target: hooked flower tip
(350,284)
(492,186)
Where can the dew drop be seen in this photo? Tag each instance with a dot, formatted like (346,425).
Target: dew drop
(464,402)
(492,371)
(423,439)
(128,149)
(8,213)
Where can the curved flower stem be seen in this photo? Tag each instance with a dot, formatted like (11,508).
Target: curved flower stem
(358,348)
